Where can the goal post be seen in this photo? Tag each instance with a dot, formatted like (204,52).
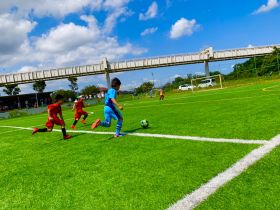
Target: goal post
(210,82)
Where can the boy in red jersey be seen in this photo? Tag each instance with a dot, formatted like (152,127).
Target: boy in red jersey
(53,119)
(79,112)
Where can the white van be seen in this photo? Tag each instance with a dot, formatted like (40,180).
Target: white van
(207,83)
(186,87)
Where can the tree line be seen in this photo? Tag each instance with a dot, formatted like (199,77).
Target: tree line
(40,86)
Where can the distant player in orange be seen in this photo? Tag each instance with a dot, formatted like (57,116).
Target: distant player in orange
(53,111)
(79,112)
(161,94)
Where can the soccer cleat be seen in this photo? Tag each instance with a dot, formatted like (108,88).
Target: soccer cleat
(35,130)
(73,127)
(67,137)
(96,124)
(119,135)
(83,121)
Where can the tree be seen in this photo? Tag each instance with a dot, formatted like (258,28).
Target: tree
(145,87)
(90,90)
(66,93)
(39,86)
(12,90)
(73,83)
(257,66)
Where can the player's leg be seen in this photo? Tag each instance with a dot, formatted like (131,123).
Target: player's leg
(117,116)
(49,127)
(107,122)
(77,118)
(63,129)
(85,117)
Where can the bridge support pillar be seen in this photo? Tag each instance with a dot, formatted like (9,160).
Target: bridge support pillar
(206,67)
(106,66)
(108,80)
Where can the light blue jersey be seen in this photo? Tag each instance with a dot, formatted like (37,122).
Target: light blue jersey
(111,94)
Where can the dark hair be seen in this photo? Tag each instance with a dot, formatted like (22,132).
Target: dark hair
(58,97)
(115,82)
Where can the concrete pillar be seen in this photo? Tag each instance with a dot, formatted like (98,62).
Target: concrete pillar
(108,79)
(106,66)
(206,65)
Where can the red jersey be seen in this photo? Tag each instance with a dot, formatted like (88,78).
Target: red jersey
(54,109)
(79,104)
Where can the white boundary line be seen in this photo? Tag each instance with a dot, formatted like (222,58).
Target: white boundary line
(195,198)
(190,138)
(267,89)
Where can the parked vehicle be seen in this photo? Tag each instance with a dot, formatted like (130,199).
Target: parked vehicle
(207,83)
(186,87)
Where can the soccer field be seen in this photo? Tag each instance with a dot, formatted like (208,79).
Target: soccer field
(192,138)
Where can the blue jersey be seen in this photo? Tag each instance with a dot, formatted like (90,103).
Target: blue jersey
(111,94)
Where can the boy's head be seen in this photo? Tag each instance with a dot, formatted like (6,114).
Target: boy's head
(116,84)
(59,99)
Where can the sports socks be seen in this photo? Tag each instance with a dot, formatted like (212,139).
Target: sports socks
(42,130)
(63,131)
(119,127)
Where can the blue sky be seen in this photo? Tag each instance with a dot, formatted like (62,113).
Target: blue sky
(51,33)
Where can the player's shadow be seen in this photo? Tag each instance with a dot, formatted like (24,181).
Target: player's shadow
(74,136)
(136,129)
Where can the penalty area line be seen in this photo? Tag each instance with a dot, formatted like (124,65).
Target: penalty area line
(195,198)
(163,136)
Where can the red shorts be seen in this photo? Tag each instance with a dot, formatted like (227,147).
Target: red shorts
(55,121)
(79,114)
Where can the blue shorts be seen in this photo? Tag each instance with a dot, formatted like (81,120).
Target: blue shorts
(110,113)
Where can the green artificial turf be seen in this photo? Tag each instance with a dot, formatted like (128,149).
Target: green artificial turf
(257,188)
(99,172)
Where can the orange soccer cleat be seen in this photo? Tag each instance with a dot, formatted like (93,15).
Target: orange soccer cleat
(73,127)
(96,124)
(67,137)
(35,130)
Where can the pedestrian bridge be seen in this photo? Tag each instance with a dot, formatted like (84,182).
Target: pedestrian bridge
(106,67)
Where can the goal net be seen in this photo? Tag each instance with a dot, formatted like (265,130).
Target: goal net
(205,83)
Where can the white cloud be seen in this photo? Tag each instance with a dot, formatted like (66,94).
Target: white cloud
(58,8)
(26,69)
(149,31)
(13,33)
(151,13)
(69,44)
(271,4)
(250,46)
(115,3)
(183,27)
(65,44)
(42,8)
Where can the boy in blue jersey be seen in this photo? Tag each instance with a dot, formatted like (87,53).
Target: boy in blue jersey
(110,110)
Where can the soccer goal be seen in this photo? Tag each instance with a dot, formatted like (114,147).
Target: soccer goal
(210,82)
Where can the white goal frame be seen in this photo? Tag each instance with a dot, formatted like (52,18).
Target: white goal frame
(209,77)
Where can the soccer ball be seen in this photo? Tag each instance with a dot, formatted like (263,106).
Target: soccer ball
(144,123)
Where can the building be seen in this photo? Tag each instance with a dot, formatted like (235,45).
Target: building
(24,101)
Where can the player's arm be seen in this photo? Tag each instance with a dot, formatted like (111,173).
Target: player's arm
(74,107)
(116,103)
(61,116)
(49,115)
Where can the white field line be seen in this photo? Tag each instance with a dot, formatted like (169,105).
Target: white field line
(267,89)
(11,131)
(195,198)
(189,138)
